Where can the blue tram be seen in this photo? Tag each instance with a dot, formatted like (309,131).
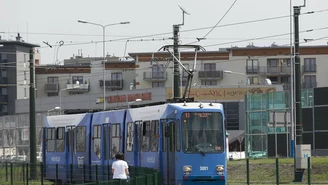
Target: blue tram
(185,141)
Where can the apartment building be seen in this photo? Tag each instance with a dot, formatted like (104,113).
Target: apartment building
(257,63)
(54,79)
(14,72)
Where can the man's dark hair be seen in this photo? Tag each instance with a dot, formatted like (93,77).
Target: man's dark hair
(119,156)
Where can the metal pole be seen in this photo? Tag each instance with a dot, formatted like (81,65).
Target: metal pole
(292,143)
(299,139)
(247,120)
(32,119)
(176,81)
(104,61)
(298,88)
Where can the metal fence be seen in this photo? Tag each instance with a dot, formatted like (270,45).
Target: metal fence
(19,173)
(276,171)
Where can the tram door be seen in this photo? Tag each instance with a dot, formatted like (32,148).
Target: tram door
(168,152)
(138,138)
(106,143)
(70,148)
(105,152)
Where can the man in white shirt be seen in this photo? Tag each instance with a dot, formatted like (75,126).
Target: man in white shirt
(120,168)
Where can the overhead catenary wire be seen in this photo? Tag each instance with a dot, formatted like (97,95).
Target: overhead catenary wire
(147,68)
(226,13)
(195,29)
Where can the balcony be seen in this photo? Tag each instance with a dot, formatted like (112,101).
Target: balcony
(309,68)
(155,76)
(81,88)
(269,70)
(50,88)
(112,84)
(210,74)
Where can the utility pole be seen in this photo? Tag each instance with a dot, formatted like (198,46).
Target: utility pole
(176,71)
(32,120)
(298,84)
(299,152)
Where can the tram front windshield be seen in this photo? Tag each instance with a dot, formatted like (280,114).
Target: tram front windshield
(202,132)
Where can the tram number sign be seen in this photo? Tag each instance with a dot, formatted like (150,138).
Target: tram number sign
(203,168)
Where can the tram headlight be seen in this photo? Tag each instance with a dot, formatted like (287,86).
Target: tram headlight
(219,168)
(187,169)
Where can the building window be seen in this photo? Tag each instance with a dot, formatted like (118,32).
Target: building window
(4,91)
(158,84)
(209,82)
(3,56)
(210,67)
(310,65)
(116,76)
(310,81)
(53,94)
(272,62)
(77,78)
(52,80)
(254,80)
(252,66)
(157,71)
(184,73)
(4,108)
(3,72)
(184,82)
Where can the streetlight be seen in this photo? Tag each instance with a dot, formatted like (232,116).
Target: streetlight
(104,57)
(74,87)
(129,103)
(56,108)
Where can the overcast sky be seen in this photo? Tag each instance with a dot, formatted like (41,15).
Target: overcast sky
(53,21)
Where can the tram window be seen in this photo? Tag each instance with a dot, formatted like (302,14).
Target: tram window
(97,140)
(60,144)
(80,138)
(172,138)
(177,135)
(129,140)
(116,139)
(154,133)
(51,139)
(163,137)
(146,136)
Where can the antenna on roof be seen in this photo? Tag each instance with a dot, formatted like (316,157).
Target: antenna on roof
(183,12)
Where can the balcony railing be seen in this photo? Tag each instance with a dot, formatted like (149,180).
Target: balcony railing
(309,68)
(210,74)
(112,84)
(80,88)
(269,70)
(52,87)
(155,76)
